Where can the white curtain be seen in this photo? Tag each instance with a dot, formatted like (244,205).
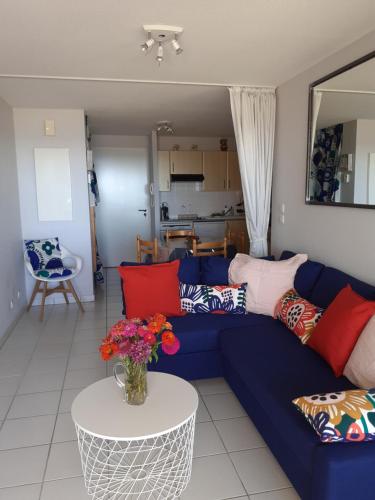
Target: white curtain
(253,113)
(316,101)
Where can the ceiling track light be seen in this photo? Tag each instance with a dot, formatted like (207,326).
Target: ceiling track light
(161,35)
(160,54)
(148,43)
(177,47)
(164,127)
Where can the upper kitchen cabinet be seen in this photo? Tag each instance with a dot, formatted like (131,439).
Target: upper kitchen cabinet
(186,162)
(215,171)
(234,177)
(164,171)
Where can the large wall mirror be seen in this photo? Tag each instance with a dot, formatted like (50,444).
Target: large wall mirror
(341,139)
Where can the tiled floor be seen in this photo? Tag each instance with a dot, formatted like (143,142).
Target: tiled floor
(43,366)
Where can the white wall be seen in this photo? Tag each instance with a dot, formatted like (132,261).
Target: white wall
(365,144)
(74,234)
(342,237)
(11,245)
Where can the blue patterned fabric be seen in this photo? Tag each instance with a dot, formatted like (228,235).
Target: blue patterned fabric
(225,299)
(45,258)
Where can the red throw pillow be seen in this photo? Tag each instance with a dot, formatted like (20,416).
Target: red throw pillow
(338,330)
(151,289)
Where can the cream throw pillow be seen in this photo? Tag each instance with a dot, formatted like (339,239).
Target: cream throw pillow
(266,280)
(360,368)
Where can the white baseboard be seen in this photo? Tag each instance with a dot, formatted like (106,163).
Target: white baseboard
(9,330)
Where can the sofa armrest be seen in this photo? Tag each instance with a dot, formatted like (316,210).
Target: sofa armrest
(344,471)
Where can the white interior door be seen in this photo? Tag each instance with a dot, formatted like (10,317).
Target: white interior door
(123,180)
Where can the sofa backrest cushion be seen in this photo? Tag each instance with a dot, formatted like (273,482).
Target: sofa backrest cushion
(306,276)
(331,281)
(214,270)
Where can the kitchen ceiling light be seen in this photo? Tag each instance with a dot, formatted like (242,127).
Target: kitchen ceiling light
(164,127)
(162,35)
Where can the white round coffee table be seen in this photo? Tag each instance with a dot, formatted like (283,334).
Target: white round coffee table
(136,452)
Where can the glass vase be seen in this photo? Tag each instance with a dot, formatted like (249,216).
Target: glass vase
(135,382)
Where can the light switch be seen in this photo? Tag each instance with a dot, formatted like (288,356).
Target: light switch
(282,219)
(282,208)
(49,127)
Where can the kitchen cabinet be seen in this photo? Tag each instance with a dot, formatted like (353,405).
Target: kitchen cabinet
(215,170)
(186,162)
(234,177)
(164,171)
(236,232)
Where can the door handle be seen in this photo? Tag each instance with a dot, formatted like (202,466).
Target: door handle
(144,210)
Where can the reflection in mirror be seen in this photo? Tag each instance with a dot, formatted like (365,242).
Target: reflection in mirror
(341,167)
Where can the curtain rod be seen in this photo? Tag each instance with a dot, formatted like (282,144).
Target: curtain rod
(340,91)
(129,80)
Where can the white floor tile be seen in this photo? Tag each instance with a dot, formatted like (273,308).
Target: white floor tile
(47,365)
(90,324)
(222,406)
(13,366)
(82,378)
(41,382)
(84,335)
(259,470)
(64,489)
(31,405)
(67,399)
(212,386)
(287,494)
(83,361)
(30,431)
(202,412)
(8,385)
(27,492)
(85,347)
(207,440)
(64,430)
(213,478)
(63,461)
(239,434)
(5,402)
(22,466)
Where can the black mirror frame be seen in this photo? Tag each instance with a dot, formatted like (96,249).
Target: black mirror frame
(347,67)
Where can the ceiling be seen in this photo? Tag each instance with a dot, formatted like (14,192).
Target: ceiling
(252,42)
(129,108)
(361,77)
(340,108)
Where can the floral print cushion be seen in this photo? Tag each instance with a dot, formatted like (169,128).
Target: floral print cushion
(344,416)
(225,299)
(44,254)
(60,272)
(298,314)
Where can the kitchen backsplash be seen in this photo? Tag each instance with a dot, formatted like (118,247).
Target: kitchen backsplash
(187,198)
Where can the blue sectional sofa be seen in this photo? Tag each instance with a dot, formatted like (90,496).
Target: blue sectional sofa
(267,366)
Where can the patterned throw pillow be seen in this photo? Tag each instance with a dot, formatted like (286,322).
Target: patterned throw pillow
(298,314)
(223,299)
(44,254)
(345,416)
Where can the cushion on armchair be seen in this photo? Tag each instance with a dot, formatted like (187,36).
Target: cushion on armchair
(45,258)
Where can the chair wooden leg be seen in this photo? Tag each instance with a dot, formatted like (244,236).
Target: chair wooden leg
(35,291)
(64,293)
(71,288)
(45,286)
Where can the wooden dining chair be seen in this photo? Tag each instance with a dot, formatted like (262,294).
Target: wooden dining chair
(236,239)
(179,233)
(145,247)
(210,248)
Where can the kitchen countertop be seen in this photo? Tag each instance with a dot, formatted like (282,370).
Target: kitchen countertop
(205,219)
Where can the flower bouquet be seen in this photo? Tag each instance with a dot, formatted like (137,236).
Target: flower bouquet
(135,343)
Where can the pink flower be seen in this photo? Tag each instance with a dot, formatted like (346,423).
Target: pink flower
(139,351)
(142,330)
(171,348)
(130,330)
(149,338)
(123,347)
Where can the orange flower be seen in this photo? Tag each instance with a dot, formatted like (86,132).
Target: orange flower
(159,318)
(167,325)
(153,327)
(107,350)
(168,338)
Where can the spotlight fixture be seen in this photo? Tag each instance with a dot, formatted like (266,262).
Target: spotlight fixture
(148,43)
(160,55)
(164,127)
(177,47)
(162,35)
